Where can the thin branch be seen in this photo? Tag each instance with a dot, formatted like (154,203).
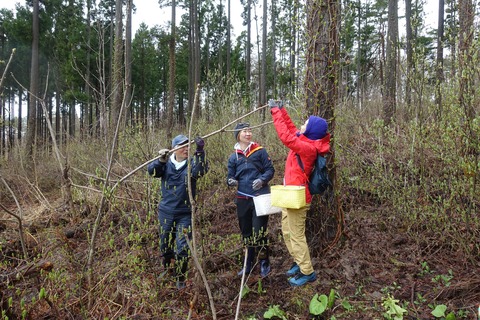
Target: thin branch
(223,129)
(6,68)
(19,219)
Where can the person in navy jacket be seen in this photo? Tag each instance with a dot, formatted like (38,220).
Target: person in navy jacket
(174,209)
(250,169)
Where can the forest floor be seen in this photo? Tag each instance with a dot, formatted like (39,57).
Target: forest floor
(373,260)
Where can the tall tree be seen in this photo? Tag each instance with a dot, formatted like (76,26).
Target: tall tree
(466,57)
(409,40)
(389,98)
(321,87)
(34,78)
(171,74)
(117,69)
(88,104)
(248,44)
(262,92)
(128,59)
(229,26)
(439,61)
(322,57)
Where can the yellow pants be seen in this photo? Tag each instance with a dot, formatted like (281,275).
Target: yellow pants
(293,229)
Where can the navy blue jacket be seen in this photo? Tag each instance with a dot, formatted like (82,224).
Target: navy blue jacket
(174,182)
(255,164)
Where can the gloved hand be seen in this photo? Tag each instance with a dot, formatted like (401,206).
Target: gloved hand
(232,182)
(200,144)
(257,184)
(275,103)
(163,155)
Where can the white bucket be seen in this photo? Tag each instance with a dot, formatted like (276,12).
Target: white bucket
(263,205)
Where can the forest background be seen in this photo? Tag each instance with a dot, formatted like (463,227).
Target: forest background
(396,237)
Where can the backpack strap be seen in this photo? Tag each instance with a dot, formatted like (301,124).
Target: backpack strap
(300,164)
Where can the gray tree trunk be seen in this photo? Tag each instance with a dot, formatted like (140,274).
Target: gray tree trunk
(389,98)
(34,78)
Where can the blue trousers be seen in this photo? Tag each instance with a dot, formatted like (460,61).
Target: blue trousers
(173,243)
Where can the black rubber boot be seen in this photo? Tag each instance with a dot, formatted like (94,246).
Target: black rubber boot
(168,267)
(181,273)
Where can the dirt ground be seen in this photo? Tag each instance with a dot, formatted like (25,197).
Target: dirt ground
(373,260)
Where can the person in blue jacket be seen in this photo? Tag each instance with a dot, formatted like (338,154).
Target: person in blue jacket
(250,169)
(174,209)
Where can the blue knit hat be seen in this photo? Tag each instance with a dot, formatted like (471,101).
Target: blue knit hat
(316,128)
(179,140)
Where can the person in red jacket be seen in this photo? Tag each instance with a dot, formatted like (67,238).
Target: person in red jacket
(306,143)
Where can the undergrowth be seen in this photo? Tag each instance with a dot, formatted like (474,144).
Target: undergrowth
(414,178)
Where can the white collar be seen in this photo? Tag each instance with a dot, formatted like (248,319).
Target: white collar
(177,164)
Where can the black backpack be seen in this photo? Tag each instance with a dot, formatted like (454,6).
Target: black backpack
(318,181)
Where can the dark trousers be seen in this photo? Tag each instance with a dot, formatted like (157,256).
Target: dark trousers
(253,228)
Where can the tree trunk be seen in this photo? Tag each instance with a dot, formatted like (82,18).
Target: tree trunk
(321,87)
(293,47)
(465,58)
(171,75)
(439,62)
(197,62)
(88,116)
(20,115)
(117,78)
(248,45)
(263,70)
(228,41)
(410,67)
(128,62)
(34,78)
(322,57)
(389,98)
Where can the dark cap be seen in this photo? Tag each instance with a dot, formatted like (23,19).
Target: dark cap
(239,127)
(179,140)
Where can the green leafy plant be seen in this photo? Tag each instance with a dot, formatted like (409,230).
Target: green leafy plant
(320,303)
(275,311)
(439,313)
(444,279)
(392,310)
(245,291)
(425,268)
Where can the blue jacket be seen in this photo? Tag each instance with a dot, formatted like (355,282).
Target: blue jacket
(174,182)
(246,167)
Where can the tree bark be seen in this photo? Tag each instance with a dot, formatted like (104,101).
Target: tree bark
(389,98)
(128,62)
(34,78)
(117,74)
(171,75)
(321,86)
(439,62)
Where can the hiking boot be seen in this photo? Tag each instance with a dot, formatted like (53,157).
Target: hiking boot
(265,268)
(293,271)
(301,279)
(180,284)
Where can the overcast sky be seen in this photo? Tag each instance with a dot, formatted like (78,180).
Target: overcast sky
(148,11)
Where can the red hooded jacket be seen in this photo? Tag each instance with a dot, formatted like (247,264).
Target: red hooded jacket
(298,144)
